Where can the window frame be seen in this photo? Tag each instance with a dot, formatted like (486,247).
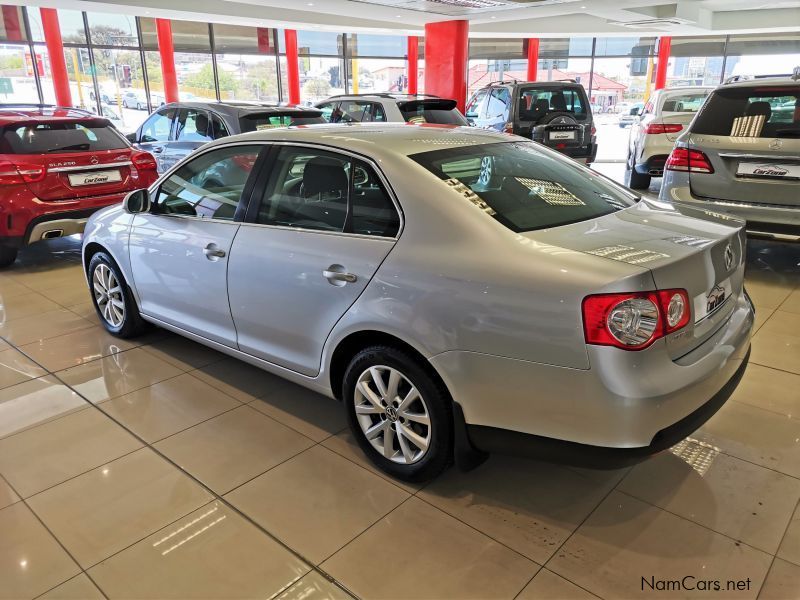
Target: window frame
(266,168)
(245,201)
(160,112)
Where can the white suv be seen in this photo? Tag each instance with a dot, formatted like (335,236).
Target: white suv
(652,136)
(391,108)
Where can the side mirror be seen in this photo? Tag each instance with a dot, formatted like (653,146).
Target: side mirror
(132,138)
(137,201)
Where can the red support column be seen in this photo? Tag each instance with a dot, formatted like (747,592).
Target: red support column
(446,60)
(413,68)
(533,58)
(55,52)
(292,66)
(167,52)
(12,23)
(664,45)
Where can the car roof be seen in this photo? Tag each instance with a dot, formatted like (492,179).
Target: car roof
(539,84)
(378,140)
(687,88)
(786,80)
(241,108)
(383,95)
(14,113)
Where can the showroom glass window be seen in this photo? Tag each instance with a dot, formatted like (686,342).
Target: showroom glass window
(495,59)
(18,67)
(380,62)
(762,54)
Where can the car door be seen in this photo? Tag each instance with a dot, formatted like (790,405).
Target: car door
(179,251)
(497,109)
(154,134)
(192,130)
(324,223)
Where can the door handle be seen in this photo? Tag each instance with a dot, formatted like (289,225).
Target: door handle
(336,275)
(212,252)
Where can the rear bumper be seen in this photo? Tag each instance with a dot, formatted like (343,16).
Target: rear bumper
(627,400)
(653,165)
(769,219)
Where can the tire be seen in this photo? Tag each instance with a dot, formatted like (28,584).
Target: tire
(636,181)
(7,256)
(139,106)
(121,321)
(427,449)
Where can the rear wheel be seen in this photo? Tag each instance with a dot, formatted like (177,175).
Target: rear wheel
(399,413)
(112,298)
(636,181)
(7,256)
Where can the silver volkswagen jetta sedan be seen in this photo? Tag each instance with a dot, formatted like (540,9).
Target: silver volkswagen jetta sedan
(459,290)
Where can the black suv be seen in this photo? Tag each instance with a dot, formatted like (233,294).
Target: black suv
(554,113)
(177,129)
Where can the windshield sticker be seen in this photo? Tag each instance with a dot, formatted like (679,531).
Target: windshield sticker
(470,195)
(627,254)
(551,192)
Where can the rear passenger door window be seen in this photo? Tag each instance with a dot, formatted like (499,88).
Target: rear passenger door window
(376,114)
(210,186)
(354,111)
(192,126)
(320,190)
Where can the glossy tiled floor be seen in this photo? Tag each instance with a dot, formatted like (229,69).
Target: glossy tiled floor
(157,468)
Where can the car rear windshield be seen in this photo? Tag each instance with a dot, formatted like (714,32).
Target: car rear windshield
(757,111)
(258,122)
(537,102)
(439,111)
(689,102)
(60,136)
(523,186)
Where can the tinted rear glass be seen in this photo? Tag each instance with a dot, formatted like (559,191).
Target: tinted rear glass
(41,138)
(762,111)
(441,112)
(270,121)
(536,103)
(524,187)
(688,102)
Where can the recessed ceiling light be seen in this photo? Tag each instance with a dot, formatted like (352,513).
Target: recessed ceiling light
(493,17)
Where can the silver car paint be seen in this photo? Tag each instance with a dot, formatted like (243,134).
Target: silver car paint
(498,313)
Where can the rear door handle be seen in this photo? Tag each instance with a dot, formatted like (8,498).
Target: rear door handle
(336,275)
(213,252)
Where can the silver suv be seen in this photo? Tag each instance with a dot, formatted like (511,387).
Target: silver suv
(391,108)
(741,155)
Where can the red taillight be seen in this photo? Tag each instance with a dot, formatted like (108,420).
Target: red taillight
(144,161)
(14,173)
(663,128)
(683,159)
(594,130)
(508,128)
(633,321)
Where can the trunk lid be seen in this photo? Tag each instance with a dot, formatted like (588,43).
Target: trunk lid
(79,157)
(750,134)
(704,257)
(682,119)
(748,169)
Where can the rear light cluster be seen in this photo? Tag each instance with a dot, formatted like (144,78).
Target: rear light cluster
(14,173)
(684,159)
(653,128)
(144,161)
(633,321)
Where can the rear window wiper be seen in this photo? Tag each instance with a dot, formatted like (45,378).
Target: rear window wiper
(73,147)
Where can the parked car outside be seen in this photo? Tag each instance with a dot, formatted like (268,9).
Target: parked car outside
(740,156)
(391,108)
(58,166)
(177,129)
(653,134)
(630,115)
(134,99)
(449,315)
(553,113)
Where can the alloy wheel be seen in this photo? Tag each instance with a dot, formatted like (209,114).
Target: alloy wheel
(108,295)
(392,414)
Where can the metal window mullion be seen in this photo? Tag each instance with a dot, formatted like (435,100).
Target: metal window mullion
(346,66)
(214,60)
(92,66)
(277,49)
(32,50)
(724,60)
(591,69)
(143,59)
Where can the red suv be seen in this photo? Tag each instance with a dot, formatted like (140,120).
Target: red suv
(57,167)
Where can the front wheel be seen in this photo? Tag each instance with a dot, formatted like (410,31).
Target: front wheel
(7,256)
(399,413)
(112,298)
